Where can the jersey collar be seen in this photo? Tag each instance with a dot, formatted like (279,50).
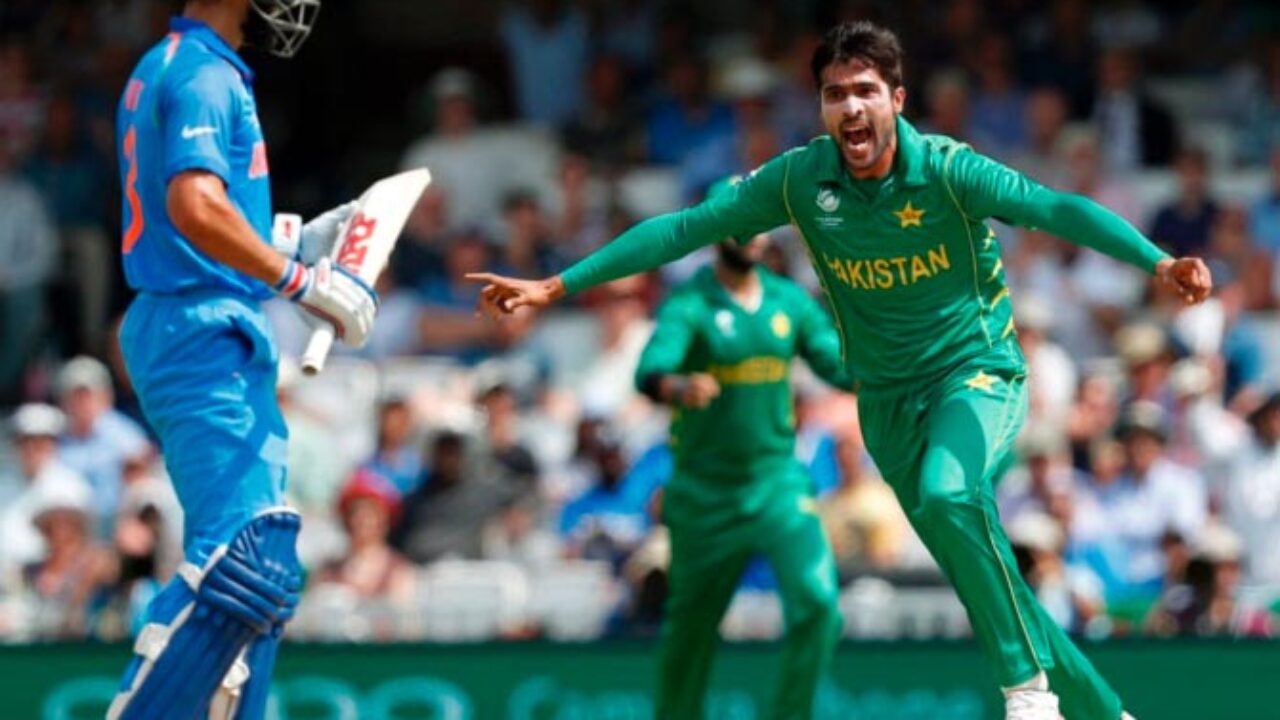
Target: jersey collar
(908,167)
(206,36)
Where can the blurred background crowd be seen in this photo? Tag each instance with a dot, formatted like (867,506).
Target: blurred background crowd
(464,480)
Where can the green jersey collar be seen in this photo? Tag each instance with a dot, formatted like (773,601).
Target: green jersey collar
(908,166)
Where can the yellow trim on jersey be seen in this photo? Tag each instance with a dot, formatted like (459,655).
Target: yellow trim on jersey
(1003,294)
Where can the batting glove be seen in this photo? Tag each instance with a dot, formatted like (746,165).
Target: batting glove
(312,240)
(333,294)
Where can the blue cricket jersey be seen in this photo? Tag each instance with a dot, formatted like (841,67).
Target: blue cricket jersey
(188,106)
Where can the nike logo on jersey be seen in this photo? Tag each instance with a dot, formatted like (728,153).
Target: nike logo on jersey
(189,133)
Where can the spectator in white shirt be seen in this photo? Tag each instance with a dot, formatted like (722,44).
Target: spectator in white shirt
(1070,593)
(1251,502)
(98,438)
(1052,378)
(1119,524)
(35,429)
(1038,484)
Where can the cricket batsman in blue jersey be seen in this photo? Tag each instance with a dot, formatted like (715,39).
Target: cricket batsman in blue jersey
(203,250)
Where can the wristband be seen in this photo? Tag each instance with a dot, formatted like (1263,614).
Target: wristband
(293,282)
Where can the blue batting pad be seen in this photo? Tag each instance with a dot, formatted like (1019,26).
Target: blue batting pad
(247,592)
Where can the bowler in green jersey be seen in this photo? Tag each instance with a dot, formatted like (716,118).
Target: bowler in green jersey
(895,225)
(721,356)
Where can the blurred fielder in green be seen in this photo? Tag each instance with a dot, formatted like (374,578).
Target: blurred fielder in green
(721,357)
(894,222)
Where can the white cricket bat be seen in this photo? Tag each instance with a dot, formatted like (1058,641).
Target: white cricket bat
(367,239)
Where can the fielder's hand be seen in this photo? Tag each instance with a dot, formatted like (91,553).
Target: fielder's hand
(695,390)
(1188,277)
(504,295)
(330,292)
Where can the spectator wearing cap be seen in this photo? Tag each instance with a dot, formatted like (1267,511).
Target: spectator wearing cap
(74,568)
(98,438)
(369,506)
(1144,349)
(1120,522)
(1251,497)
(750,84)
(34,429)
(1208,600)
(1051,372)
(468,160)
(1092,417)
(1203,433)
(1071,593)
(1044,481)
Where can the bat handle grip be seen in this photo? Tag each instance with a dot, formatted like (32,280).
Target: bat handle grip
(317,350)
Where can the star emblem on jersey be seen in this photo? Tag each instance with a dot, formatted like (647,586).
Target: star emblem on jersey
(981,381)
(780,324)
(909,215)
(827,200)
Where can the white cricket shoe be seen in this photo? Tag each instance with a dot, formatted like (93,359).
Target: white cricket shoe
(1127,716)
(1031,705)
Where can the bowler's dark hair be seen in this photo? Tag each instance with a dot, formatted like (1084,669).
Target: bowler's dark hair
(864,42)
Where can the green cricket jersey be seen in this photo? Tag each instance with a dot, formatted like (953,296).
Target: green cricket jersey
(910,268)
(748,431)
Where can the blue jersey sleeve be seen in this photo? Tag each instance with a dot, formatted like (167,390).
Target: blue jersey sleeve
(198,111)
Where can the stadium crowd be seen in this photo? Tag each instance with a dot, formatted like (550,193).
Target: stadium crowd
(463,479)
